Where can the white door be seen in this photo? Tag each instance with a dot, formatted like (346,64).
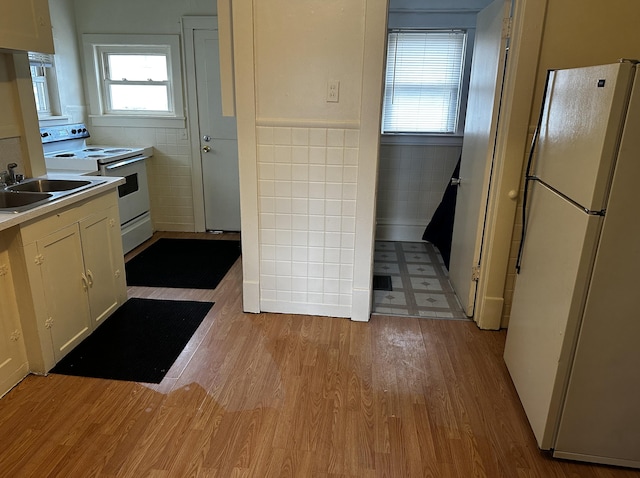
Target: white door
(218,139)
(483,107)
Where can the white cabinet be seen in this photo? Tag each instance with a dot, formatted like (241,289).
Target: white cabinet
(75,273)
(25,25)
(13,357)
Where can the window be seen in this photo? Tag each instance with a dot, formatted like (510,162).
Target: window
(423,81)
(134,80)
(40,63)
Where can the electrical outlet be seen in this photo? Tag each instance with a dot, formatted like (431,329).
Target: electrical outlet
(333,91)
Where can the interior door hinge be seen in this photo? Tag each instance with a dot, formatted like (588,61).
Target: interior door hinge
(39,259)
(475,273)
(506,27)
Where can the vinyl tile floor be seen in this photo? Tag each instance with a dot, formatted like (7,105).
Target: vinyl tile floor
(419,280)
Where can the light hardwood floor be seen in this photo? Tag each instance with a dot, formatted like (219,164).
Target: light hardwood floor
(266,395)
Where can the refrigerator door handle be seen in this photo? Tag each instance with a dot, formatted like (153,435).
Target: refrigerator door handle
(528,176)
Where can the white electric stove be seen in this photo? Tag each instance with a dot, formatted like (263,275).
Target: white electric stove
(66,150)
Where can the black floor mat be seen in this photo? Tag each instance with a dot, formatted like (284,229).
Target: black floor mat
(183,263)
(138,343)
(382,282)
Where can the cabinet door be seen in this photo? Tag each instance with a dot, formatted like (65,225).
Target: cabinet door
(26,26)
(13,357)
(65,289)
(98,233)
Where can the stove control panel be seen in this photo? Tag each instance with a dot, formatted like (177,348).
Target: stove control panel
(51,134)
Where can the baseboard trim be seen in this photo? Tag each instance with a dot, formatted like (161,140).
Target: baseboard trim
(399,232)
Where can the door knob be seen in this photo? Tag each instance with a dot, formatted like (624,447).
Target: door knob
(206,149)
(455,181)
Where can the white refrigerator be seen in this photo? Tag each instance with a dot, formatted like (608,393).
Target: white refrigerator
(573,342)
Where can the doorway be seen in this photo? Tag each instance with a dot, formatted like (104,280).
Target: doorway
(214,135)
(415,172)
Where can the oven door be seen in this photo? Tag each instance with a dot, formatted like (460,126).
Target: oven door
(134,194)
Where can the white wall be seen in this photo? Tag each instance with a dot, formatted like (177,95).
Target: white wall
(412,180)
(68,74)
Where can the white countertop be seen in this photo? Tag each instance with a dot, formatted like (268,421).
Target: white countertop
(8,219)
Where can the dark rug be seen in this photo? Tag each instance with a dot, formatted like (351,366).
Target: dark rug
(382,282)
(183,263)
(138,343)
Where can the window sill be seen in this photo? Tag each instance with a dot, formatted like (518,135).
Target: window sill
(422,139)
(52,120)
(177,122)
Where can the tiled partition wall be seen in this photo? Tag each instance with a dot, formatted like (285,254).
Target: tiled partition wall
(307,197)
(411,181)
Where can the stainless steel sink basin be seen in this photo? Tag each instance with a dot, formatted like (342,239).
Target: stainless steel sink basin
(18,202)
(49,185)
(38,191)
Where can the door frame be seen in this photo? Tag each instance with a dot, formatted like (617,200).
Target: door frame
(189,24)
(512,142)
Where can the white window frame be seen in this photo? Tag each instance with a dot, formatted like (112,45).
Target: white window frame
(461,88)
(96,46)
(43,89)
(102,53)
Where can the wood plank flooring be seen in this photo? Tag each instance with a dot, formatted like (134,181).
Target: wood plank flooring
(267,395)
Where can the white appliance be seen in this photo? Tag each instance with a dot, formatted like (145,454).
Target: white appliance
(573,343)
(65,150)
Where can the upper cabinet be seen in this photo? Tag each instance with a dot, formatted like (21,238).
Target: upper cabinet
(25,25)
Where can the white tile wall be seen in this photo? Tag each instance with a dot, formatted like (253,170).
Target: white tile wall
(170,182)
(411,182)
(307,191)
(169,172)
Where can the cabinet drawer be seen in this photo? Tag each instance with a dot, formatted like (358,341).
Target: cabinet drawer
(50,223)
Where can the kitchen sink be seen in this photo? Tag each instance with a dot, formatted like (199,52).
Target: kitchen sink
(17,202)
(49,185)
(38,191)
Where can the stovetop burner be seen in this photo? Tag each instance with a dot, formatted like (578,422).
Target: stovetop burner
(65,148)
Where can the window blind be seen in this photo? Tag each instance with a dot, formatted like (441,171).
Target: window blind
(423,81)
(40,59)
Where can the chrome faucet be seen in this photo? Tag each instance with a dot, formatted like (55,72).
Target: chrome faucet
(11,167)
